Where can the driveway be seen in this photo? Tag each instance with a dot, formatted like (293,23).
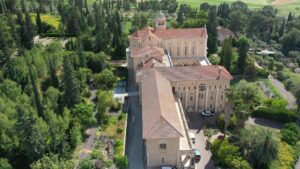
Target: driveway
(288,96)
(196,124)
(265,123)
(134,140)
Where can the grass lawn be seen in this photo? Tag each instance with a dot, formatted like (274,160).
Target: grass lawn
(270,85)
(53,20)
(112,131)
(253,4)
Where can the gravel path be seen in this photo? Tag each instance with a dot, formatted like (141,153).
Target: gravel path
(288,96)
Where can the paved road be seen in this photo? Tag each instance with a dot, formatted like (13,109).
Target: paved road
(286,94)
(134,141)
(265,123)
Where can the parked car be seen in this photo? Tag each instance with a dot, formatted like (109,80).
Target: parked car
(207,113)
(197,155)
(192,137)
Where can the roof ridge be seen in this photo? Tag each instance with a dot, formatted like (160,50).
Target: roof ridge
(171,125)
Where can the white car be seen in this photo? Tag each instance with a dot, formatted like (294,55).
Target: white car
(207,113)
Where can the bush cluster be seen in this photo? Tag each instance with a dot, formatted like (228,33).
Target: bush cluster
(280,115)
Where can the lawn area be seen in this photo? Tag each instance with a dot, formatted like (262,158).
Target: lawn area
(272,88)
(253,4)
(53,20)
(116,130)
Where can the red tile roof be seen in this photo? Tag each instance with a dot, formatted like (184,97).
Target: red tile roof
(169,33)
(151,63)
(159,113)
(148,52)
(201,72)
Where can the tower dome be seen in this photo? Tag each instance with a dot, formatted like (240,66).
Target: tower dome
(160,21)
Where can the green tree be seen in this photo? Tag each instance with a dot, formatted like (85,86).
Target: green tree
(80,53)
(33,134)
(212,30)
(244,45)
(51,161)
(70,85)
(106,79)
(4,164)
(265,148)
(290,133)
(39,22)
(226,54)
(86,164)
(238,21)
(84,112)
(105,100)
(75,134)
(37,99)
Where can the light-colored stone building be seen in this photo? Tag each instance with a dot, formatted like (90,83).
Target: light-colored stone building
(174,76)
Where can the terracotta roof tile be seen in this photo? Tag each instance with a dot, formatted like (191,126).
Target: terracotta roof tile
(201,72)
(169,33)
(180,33)
(148,52)
(159,113)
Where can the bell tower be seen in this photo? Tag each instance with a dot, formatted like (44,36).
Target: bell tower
(160,21)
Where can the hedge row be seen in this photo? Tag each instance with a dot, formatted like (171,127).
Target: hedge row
(283,115)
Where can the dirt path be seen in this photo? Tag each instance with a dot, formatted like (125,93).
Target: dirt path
(288,96)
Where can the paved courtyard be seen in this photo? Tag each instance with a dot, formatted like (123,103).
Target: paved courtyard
(196,123)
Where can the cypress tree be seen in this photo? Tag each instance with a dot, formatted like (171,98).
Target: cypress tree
(37,100)
(70,85)
(39,22)
(281,31)
(243,53)
(226,55)
(80,53)
(212,30)
(23,6)
(290,17)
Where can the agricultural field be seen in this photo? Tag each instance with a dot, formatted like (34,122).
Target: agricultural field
(284,6)
(53,20)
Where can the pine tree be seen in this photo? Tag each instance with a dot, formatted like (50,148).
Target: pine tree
(30,133)
(70,85)
(39,22)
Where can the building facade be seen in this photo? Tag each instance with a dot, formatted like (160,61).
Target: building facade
(174,76)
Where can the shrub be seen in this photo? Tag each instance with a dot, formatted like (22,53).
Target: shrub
(290,133)
(227,155)
(220,122)
(121,162)
(276,110)
(120,130)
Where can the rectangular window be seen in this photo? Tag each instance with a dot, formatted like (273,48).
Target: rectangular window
(163,160)
(162,146)
(177,51)
(193,50)
(185,51)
